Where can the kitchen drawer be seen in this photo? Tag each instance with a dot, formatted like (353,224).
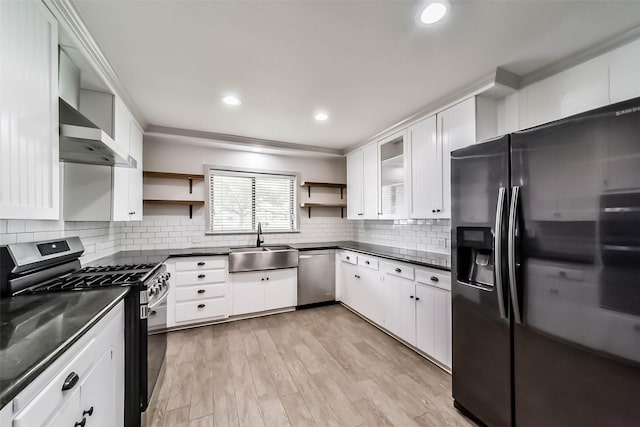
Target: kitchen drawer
(368,261)
(201,292)
(349,257)
(48,400)
(437,278)
(203,309)
(158,317)
(201,263)
(397,270)
(188,278)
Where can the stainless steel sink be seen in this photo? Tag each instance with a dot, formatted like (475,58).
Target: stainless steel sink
(262,258)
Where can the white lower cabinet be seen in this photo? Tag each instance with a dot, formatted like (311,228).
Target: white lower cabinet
(433,322)
(413,303)
(95,399)
(199,291)
(257,291)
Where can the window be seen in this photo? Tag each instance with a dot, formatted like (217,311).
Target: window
(238,201)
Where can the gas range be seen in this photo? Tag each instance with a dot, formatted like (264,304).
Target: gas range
(53,266)
(150,277)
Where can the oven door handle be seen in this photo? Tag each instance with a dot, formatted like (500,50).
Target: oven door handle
(160,300)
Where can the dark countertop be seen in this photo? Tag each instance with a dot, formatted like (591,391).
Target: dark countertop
(427,259)
(36,329)
(423,258)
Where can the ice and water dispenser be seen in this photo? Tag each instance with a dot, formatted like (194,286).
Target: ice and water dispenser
(475,256)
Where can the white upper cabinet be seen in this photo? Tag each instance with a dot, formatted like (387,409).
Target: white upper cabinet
(362,180)
(29,157)
(354,185)
(392,174)
(624,72)
(457,129)
(135,175)
(425,171)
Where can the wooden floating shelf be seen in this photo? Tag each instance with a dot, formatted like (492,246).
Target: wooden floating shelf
(171,175)
(322,184)
(324,205)
(173,202)
(189,203)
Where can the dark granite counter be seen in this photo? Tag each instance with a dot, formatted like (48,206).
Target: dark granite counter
(36,329)
(427,259)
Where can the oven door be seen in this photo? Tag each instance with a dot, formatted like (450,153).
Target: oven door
(156,343)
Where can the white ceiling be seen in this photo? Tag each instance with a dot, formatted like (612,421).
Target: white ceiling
(367,63)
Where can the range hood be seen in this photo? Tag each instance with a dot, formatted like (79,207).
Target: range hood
(82,141)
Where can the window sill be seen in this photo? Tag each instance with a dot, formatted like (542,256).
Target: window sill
(231,233)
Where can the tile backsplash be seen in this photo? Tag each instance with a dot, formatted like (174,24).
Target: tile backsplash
(422,235)
(99,238)
(164,232)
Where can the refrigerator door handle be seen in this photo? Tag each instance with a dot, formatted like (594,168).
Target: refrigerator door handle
(511,254)
(497,251)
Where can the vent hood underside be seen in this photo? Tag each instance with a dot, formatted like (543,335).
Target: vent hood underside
(81,141)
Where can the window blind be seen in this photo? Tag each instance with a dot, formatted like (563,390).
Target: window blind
(238,201)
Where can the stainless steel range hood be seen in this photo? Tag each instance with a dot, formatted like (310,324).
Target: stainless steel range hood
(82,141)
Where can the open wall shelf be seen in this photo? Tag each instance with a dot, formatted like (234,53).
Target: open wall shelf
(309,184)
(175,176)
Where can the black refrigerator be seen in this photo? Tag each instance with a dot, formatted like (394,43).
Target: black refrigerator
(546,273)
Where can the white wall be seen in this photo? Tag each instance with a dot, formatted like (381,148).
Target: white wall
(170,226)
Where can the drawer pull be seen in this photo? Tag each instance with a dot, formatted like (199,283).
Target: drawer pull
(69,382)
(398,270)
(367,262)
(201,276)
(81,423)
(201,263)
(201,291)
(89,412)
(348,258)
(263,279)
(267,278)
(357,277)
(201,305)
(434,279)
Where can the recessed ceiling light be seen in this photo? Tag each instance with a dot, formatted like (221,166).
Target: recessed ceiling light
(231,100)
(321,116)
(256,150)
(433,12)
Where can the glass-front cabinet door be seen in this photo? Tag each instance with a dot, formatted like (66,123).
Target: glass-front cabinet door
(392,187)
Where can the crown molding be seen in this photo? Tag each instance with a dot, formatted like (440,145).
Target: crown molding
(497,84)
(71,21)
(243,141)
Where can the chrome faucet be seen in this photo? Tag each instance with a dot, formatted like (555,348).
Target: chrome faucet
(259,241)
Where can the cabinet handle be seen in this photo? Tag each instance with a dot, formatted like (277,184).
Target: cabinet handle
(434,279)
(201,276)
(411,296)
(267,278)
(89,412)
(398,270)
(152,313)
(71,380)
(263,279)
(201,263)
(81,423)
(433,210)
(348,258)
(437,210)
(201,291)
(367,262)
(201,305)
(357,277)
(359,214)
(417,298)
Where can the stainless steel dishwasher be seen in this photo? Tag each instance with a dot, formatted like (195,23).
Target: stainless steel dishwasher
(316,276)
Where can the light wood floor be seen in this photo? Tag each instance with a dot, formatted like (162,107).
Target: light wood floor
(316,367)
